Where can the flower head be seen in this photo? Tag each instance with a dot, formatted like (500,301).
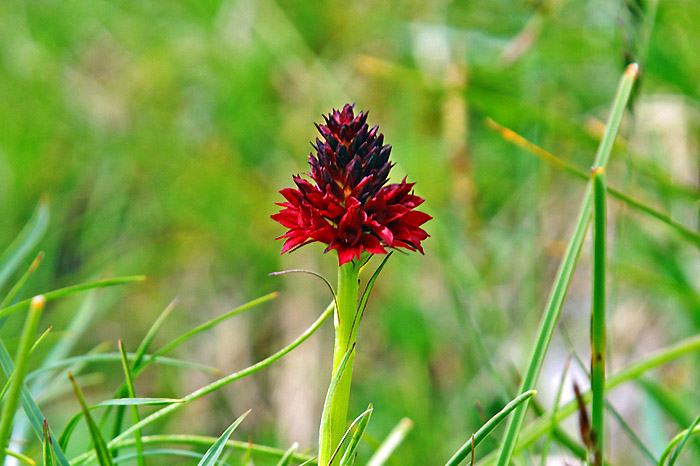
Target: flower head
(347,203)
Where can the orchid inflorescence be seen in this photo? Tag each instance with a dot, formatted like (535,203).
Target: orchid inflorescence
(347,204)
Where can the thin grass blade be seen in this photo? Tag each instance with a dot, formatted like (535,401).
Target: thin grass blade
(134,410)
(286,460)
(217,384)
(678,450)
(553,160)
(208,441)
(19,456)
(541,426)
(69,290)
(164,452)
(391,443)
(362,421)
(17,287)
(207,325)
(555,410)
(31,409)
(116,357)
(73,422)
(23,244)
(566,268)
(104,457)
(11,401)
(211,457)
(48,446)
(486,429)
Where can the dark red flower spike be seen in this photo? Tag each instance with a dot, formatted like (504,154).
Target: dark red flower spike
(349,206)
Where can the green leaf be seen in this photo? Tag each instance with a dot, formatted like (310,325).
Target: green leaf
(23,244)
(362,421)
(207,325)
(23,458)
(104,457)
(286,460)
(48,446)
(207,441)
(73,422)
(555,410)
(689,431)
(391,442)
(212,455)
(116,357)
(325,418)
(17,287)
(486,429)
(31,409)
(162,452)
(11,400)
(123,390)
(69,290)
(134,410)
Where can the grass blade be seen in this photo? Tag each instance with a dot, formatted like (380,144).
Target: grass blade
(140,364)
(211,457)
(103,455)
(541,426)
(207,325)
(23,458)
(116,357)
(217,384)
(689,431)
(598,316)
(73,422)
(9,406)
(23,279)
(48,446)
(69,290)
(138,358)
(207,441)
(362,421)
(164,452)
(557,400)
(566,269)
(31,409)
(391,443)
(23,244)
(286,460)
(31,350)
(517,139)
(486,429)
(134,410)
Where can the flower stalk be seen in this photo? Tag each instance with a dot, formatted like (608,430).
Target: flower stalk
(345,322)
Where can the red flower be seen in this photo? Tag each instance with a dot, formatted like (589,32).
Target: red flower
(349,206)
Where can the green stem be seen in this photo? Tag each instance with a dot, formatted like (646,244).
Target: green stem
(598,316)
(346,322)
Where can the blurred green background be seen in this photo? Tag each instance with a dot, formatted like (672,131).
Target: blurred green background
(161,132)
